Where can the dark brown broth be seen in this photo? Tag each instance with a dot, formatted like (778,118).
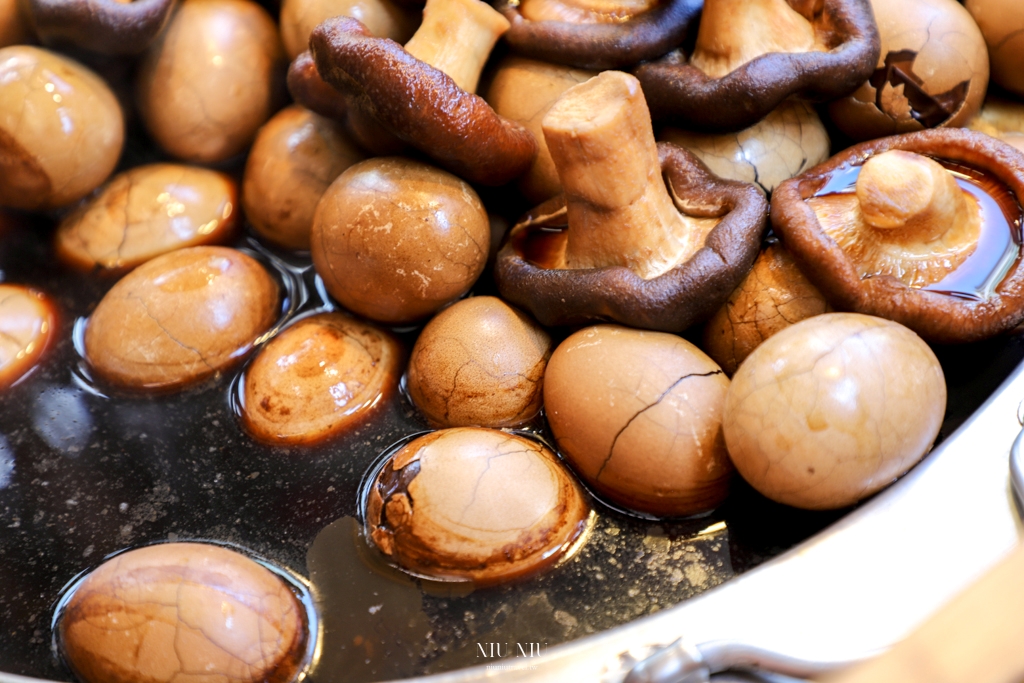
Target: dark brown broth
(86,473)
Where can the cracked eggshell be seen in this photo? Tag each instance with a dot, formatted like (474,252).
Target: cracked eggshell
(181,317)
(163,612)
(774,295)
(28,321)
(787,142)
(638,415)
(295,158)
(1002,24)
(396,240)
(479,362)
(145,212)
(478,505)
(933,71)
(318,377)
(211,79)
(833,409)
(523,90)
(382,18)
(61,129)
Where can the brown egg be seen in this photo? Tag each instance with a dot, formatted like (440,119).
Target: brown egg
(382,18)
(145,212)
(933,71)
(523,90)
(27,324)
(396,239)
(181,317)
(212,79)
(445,507)
(787,142)
(479,362)
(317,377)
(296,156)
(1002,24)
(639,416)
(61,129)
(833,409)
(183,611)
(773,296)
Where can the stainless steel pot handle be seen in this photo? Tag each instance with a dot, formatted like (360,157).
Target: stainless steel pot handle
(682,662)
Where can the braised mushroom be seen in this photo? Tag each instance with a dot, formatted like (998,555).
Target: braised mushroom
(61,129)
(751,55)
(423,94)
(932,71)
(787,142)
(523,90)
(650,238)
(597,34)
(920,228)
(113,27)
(442,507)
(308,89)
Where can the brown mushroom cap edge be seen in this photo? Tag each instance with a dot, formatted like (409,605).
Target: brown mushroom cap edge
(689,293)
(647,35)
(936,317)
(420,104)
(104,26)
(686,96)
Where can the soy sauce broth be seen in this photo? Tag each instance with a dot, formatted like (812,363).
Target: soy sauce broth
(85,472)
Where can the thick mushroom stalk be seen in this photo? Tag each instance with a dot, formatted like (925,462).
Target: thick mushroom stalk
(907,218)
(402,97)
(751,55)
(457,37)
(734,32)
(584,11)
(621,214)
(113,27)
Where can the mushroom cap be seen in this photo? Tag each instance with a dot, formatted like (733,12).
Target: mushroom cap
(935,316)
(105,26)
(683,94)
(616,45)
(312,92)
(421,105)
(688,293)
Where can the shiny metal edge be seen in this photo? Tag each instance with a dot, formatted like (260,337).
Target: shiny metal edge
(851,591)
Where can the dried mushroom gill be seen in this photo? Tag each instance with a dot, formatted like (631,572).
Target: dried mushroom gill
(643,234)
(922,228)
(597,34)
(422,95)
(750,55)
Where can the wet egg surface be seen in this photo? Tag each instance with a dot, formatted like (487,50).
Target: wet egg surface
(26,327)
(85,473)
(178,610)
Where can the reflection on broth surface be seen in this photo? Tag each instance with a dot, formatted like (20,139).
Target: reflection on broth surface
(84,474)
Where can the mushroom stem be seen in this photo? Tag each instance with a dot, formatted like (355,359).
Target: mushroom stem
(456,37)
(584,11)
(619,210)
(909,196)
(734,32)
